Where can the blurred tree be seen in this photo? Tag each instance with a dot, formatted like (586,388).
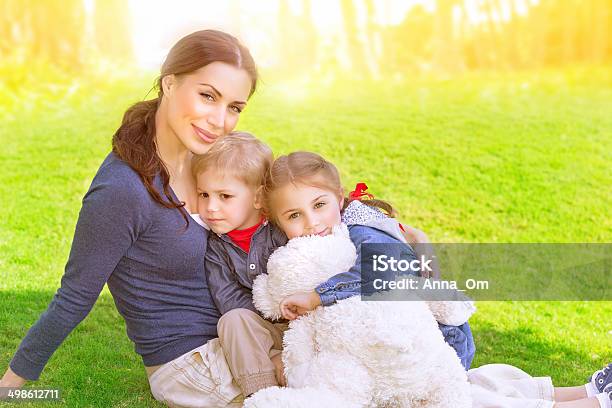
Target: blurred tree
(9,14)
(598,44)
(64,33)
(446,55)
(297,38)
(286,49)
(359,39)
(408,46)
(51,31)
(537,26)
(569,16)
(496,31)
(354,44)
(456,34)
(515,38)
(372,38)
(310,37)
(112,34)
(56,30)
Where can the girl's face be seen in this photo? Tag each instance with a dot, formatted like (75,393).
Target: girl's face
(205,104)
(301,209)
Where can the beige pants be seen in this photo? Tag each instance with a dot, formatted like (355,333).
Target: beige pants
(505,386)
(199,378)
(249,342)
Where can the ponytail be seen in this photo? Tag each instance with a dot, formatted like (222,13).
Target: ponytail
(134,143)
(382,205)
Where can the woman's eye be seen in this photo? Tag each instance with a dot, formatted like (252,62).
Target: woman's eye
(208,96)
(293,216)
(319,204)
(236,109)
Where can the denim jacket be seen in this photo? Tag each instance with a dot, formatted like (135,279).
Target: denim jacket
(368,225)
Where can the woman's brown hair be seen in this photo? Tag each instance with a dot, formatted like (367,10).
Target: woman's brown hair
(310,169)
(134,141)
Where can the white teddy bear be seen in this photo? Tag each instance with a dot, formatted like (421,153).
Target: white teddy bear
(356,353)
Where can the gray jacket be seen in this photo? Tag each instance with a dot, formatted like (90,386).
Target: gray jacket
(230,271)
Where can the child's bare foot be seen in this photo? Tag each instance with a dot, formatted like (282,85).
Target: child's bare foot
(279,370)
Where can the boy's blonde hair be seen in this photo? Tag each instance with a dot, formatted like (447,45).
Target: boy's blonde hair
(310,169)
(240,155)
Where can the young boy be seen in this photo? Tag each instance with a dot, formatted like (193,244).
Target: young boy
(229,183)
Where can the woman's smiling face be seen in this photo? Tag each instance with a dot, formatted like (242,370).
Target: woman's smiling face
(301,209)
(205,105)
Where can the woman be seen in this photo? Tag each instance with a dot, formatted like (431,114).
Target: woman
(135,231)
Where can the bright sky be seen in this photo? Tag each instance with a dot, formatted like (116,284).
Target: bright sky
(158,24)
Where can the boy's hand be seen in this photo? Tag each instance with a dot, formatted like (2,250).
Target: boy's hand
(299,304)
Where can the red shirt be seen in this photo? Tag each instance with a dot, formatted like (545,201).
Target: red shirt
(242,238)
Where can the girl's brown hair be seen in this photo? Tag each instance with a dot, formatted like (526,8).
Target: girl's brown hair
(310,169)
(134,141)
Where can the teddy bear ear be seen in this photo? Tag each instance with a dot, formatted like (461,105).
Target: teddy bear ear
(262,298)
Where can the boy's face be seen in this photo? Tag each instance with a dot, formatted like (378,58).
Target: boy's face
(300,209)
(227,203)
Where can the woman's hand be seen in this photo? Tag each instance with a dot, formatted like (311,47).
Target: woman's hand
(10,380)
(419,241)
(299,304)
(413,235)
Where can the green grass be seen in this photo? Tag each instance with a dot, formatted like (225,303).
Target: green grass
(484,158)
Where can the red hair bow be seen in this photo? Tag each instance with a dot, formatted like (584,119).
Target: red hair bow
(360,192)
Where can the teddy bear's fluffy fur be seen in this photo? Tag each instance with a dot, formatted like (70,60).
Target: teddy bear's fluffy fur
(356,353)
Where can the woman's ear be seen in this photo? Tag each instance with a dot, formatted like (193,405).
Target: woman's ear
(168,83)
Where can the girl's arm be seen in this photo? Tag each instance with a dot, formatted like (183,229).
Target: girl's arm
(298,304)
(349,283)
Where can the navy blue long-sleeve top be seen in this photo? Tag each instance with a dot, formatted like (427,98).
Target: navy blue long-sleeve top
(153,263)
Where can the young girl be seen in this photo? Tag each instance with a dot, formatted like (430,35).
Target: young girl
(304,196)
(305,176)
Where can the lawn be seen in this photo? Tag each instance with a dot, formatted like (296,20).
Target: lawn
(521,157)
